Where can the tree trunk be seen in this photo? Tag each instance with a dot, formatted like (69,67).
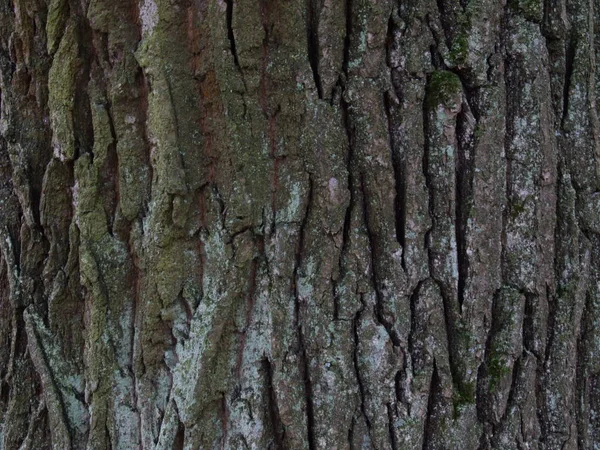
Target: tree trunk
(299,224)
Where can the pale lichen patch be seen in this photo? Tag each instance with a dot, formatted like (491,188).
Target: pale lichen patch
(148,16)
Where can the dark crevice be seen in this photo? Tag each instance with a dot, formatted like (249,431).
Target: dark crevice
(35,199)
(312,24)
(231,238)
(400,395)
(347,216)
(453,331)
(391,102)
(337,95)
(512,402)
(230,34)
(582,411)
(552,312)
(449,317)
(529,324)
(556,48)
(594,404)
(361,387)
(540,375)
(245,442)
(587,368)
(308,391)
(552,297)
(374,248)
(351,433)
(399,179)
(142,84)
(431,401)
(448,20)
(275,418)
(250,299)
(437,60)
(108,438)
(135,366)
(451,312)
(177,127)
(179,441)
(463,196)
(264,60)
(508,135)
(569,66)
(483,403)
(391,421)
(413,316)
(19,340)
(100,49)
(428,183)
(224,413)
(553,309)
(304,357)
(349,159)
(219,199)
(110,173)
(82,114)
(399,381)
(4,392)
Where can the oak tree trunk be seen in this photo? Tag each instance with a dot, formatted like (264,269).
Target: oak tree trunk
(299,224)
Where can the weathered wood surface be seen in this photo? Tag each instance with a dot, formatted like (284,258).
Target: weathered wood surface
(299,224)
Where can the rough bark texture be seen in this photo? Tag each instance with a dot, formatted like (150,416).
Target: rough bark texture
(299,224)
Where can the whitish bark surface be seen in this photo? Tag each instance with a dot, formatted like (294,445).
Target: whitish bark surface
(299,224)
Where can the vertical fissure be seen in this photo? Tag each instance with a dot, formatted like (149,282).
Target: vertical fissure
(349,160)
(230,33)
(224,413)
(391,421)
(399,182)
(427,177)
(359,380)
(179,441)
(312,27)
(308,391)
(143,84)
(304,357)
(111,173)
(274,417)
(373,244)
(569,67)
(509,131)
(447,19)
(250,299)
(347,222)
(483,390)
(83,132)
(433,386)
(463,196)
(451,314)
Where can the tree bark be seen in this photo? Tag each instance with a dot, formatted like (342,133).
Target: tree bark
(299,224)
